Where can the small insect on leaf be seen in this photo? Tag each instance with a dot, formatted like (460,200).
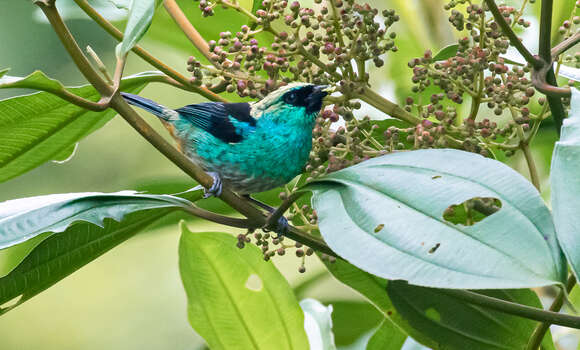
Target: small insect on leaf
(379,228)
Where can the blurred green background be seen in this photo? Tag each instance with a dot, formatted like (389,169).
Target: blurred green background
(132,298)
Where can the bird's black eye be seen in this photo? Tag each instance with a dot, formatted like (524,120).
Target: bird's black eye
(291,97)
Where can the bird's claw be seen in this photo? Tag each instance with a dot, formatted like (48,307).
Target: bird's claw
(282,227)
(216,188)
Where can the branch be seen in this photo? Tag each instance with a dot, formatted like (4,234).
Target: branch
(146,56)
(514,40)
(515,309)
(542,328)
(565,45)
(188,29)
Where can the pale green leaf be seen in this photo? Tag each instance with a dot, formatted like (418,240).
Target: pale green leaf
(140,17)
(446,52)
(393,207)
(566,185)
(569,73)
(25,218)
(236,300)
(48,260)
(39,127)
(318,324)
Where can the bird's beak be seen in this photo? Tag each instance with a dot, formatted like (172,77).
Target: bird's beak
(314,100)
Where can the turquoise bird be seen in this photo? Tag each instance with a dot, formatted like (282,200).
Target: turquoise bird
(248,147)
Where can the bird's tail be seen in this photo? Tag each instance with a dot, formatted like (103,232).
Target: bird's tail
(150,106)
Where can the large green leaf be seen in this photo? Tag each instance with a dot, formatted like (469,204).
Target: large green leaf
(455,324)
(566,185)
(387,337)
(385,216)
(140,16)
(236,300)
(56,257)
(25,218)
(352,319)
(374,290)
(39,127)
(439,321)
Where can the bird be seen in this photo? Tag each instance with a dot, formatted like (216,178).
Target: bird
(248,147)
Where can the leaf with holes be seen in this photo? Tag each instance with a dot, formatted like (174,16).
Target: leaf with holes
(566,185)
(385,216)
(235,299)
(39,127)
(25,218)
(47,260)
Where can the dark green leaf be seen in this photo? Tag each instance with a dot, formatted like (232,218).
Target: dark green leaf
(446,52)
(405,195)
(37,128)
(236,300)
(565,186)
(59,255)
(387,337)
(455,324)
(374,289)
(352,319)
(26,218)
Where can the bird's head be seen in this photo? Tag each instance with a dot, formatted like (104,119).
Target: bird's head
(292,103)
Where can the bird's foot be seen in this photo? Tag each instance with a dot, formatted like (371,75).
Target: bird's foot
(216,188)
(282,227)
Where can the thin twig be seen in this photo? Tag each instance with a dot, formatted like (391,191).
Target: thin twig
(542,328)
(146,56)
(514,40)
(565,45)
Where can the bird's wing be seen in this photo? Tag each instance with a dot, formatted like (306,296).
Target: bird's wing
(229,122)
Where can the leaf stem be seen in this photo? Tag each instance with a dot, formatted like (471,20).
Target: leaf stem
(542,328)
(515,309)
(525,147)
(565,45)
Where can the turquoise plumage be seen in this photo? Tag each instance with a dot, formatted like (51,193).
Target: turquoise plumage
(249,147)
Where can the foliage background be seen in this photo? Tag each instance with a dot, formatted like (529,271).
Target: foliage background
(141,305)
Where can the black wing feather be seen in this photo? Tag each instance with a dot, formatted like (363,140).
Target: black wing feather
(214,117)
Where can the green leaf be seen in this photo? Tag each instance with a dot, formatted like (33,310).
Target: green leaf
(236,300)
(318,324)
(446,52)
(352,319)
(37,128)
(565,186)
(374,289)
(393,207)
(26,218)
(57,256)
(387,337)
(437,320)
(140,17)
(455,324)
(36,80)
